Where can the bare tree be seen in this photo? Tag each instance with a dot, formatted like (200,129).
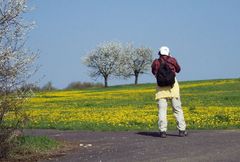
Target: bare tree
(16,62)
(104,60)
(135,61)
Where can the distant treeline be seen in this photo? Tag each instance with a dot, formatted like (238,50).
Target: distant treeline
(72,86)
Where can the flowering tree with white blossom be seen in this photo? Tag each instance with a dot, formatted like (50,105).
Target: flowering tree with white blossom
(114,59)
(16,62)
(104,60)
(135,61)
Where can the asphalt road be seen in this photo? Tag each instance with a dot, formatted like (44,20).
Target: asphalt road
(198,146)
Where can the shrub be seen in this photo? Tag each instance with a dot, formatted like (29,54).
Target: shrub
(7,140)
(30,87)
(48,87)
(84,85)
(4,142)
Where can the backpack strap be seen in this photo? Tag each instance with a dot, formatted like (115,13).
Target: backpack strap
(162,61)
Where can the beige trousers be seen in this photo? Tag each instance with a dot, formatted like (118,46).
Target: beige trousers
(177,111)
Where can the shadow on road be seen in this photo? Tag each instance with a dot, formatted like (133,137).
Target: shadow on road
(155,134)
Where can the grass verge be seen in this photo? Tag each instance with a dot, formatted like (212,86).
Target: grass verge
(33,148)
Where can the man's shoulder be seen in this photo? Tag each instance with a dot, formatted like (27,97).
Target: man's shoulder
(155,60)
(172,59)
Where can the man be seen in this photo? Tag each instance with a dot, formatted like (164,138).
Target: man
(170,92)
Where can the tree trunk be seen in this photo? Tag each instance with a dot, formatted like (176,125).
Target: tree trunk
(105,81)
(136,78)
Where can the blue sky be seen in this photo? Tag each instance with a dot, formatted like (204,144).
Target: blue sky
(203,35)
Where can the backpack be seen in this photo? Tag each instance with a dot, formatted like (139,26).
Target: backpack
(165,76)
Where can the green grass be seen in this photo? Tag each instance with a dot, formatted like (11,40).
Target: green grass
(32,147)
(227,94)
(37,143)
(211,95)
(195,95)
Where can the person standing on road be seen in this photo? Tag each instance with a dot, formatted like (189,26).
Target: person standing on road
(165,69)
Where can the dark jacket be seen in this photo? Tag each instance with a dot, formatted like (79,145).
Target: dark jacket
(171,61)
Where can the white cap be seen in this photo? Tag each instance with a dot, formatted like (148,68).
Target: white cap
(164,50)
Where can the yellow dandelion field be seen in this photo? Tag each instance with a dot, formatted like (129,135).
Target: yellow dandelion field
(206,105)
